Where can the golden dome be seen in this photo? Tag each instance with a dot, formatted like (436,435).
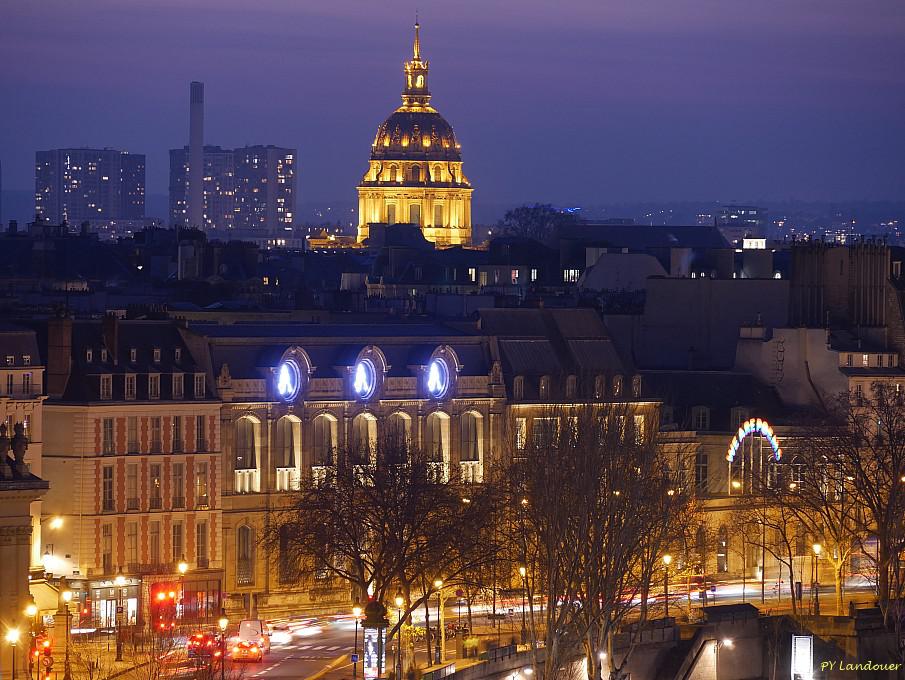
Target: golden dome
(416,136)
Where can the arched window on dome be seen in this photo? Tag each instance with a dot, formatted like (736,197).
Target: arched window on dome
(419,81)
(394,173)
(416,173)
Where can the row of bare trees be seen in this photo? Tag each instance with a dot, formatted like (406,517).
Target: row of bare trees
(578,514)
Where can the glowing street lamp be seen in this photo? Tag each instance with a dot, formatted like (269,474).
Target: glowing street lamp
(667,560)
(356,612)
(399,601)
(223,622)
(12,637)
(817,548)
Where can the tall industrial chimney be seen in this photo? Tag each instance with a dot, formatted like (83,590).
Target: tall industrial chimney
(196,157)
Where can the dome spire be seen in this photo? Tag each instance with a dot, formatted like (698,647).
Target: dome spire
(415,95)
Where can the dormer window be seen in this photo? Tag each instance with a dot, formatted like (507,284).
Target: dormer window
(177,354)
(544,387)
(104,355)
(11,360)
(700,418)
(106,387)
(636,387)
(600,387)
(178,391)
(26,360)
(133,355)
(89,356)
(199,386)
(130,386)
(156,355)
(154,386)
(518,387)
(617,386)
(571,385)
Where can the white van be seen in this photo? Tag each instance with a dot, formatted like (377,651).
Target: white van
(255,631)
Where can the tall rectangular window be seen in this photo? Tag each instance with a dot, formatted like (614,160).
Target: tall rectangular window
(201,544)
(156,487)
(438,216)
(415,213)
(701,472)
(200,441)
(132,427)
(177,434)
(107,548)
(107,489)
(154,542)
(178,386)
(201,499)
(178,485)
(106,387)
(153,386)
(132,542)
(178,545)
(130,386)
(638,424)
(9,383)
(155,435)
(26,383)
(132,486)
(199,386)
(108,441)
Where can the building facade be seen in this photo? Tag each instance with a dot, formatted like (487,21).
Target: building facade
(265,187)
(134,459)
(219,187)
(415,172)
(79,185)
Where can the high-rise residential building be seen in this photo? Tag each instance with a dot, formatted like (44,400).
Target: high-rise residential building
(265,187)
(248,188)
(79,185)
(219,188)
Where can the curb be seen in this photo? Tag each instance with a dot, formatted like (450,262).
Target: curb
(329,667)
(118,674)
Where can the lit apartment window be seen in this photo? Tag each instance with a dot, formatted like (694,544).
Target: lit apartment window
(130,386)
(201,499)
(472,274)
(865,360)
(104,355)
(156,487)
(177,354)
(153,386)
(11,360)
(156,354)
(26,359)
(106,387)
(89,357)
(514,277)
(178,386)
(521,433)
(199,386)
(848,360)
(571,275)
(534,275)
(638,425)
(133,355)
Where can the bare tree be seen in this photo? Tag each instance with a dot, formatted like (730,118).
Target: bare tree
(598,505)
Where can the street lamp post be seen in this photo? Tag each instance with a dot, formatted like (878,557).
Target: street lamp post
(31,611)
(182,567)
(400,601)
(356,612)
(119,582)
(815,584)
(667,559)
(524,573)
(441,637)
(223,623)
(12,637)
(67,598)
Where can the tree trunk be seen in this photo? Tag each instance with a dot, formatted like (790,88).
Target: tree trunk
(792,584)
(427,631)
(838,569)
(883,574)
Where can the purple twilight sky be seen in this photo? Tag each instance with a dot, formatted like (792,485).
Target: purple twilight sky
(579,101)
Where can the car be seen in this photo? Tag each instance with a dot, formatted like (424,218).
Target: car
(255,631)
(203,645)
(247,651)
(280,634)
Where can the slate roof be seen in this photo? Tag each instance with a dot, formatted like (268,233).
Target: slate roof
(642,237)
(18,341)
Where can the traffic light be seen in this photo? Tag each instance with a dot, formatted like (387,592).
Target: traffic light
(47,649)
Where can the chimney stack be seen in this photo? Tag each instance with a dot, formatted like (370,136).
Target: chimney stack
(59,354)
(196,156)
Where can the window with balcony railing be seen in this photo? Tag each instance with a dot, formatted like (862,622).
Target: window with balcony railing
(202,502)
(155,503)
(178,502)
(156,446)
(131,504)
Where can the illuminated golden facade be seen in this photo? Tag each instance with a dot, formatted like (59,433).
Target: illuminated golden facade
(415,173)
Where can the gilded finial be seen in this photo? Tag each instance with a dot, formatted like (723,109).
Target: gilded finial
(417,49)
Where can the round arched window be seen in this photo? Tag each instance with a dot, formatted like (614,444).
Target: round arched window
(288,380)
(365,379)
(437,378)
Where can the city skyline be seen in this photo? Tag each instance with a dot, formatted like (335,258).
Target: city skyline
(641,102)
